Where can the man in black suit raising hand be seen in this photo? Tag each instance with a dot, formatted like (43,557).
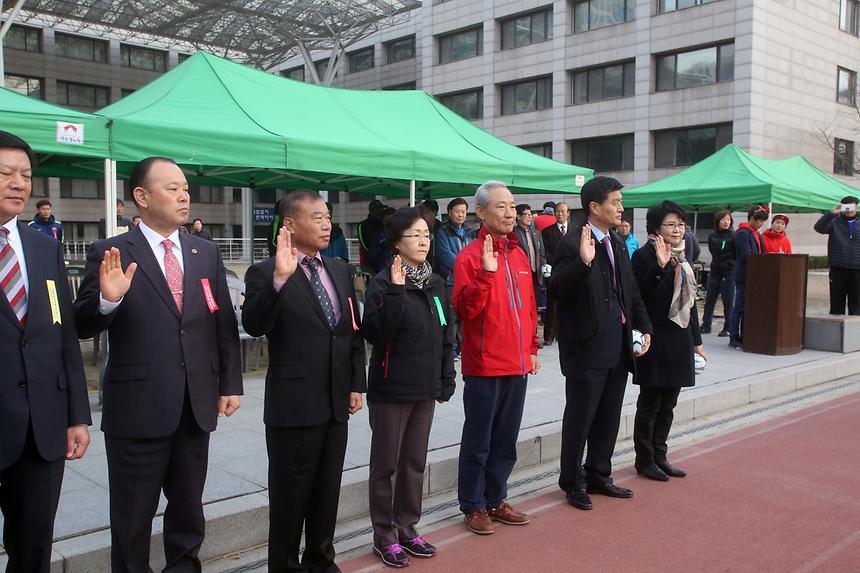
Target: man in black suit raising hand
(305,304)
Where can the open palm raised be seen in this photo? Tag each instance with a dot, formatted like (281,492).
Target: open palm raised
(113,282)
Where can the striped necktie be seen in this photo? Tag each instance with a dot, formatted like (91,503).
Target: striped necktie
(11,278)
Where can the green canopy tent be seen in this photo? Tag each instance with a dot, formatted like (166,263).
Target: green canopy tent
(732,178)
(228,124)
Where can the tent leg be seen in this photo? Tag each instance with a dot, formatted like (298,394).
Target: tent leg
(110,198)
(412,193)
(769,213)
(248,224)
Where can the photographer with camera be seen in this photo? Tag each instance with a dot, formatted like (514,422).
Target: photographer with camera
(843,255)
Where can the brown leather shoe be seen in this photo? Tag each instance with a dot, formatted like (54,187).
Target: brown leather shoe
(508,515)
(478,522)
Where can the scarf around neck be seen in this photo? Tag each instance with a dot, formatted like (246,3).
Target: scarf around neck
(684,294)
(418,275)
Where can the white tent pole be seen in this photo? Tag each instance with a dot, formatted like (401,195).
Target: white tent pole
(110,198)
(769,213)
(412,193)
(3,29)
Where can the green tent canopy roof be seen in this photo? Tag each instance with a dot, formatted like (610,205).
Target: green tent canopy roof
(733,178)
(58,135)
(229,124)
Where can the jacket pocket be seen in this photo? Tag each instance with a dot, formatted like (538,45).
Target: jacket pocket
(62,382)
(122,372)
(291,371)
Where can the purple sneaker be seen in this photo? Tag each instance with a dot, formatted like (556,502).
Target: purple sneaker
(392,555)
(419,547)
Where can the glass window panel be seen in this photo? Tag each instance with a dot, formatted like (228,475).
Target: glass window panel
(606,13)
(630,13)
(845,15)
(613,80)
(525,98)
(401,50)
(686,4)
(580,17)
(696,68)
(522,31)
(444,50)
(666,72)
(605,154)
(542,149)
(694,145)
(726,71)
(25,86)
(843,157)
(724,135)
(846,86)
(27,39)
(664,149)
(508,99)
(361,60)
(508,27)
(580,87)
(668,5)
(297,73)
(464,45)
(595,84)
(580,153)
(629,79)
(540,27)
(627,153)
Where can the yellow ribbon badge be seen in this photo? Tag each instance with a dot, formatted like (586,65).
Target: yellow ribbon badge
(55,302)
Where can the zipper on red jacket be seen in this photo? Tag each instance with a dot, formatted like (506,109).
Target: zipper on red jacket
(386,361)
(513,296)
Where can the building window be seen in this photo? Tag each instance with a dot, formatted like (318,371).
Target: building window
(361,60)
(846,86)
(124,92)
(605,153)
(843,157)
(594,14)
(542,149)
(39,187)
(21,38)
(82,189)
(469,104)
(80,48)
(142,58)
(606,82)
(460,45)
(527,29)
(205,193)
(530,95)
(672,5)
(849,16)
(682,147)
(400,87)
(24,85)
(400,50)
(696,68)
(360,198)
(297,73)
(321,67)
(82,95)
(182,57)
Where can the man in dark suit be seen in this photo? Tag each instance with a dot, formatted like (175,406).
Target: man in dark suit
(305,305)
(551,237)
(599,305)
(121,221)
(44,409)
(174,367)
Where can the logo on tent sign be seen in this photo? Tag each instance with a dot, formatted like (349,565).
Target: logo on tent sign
(72,133)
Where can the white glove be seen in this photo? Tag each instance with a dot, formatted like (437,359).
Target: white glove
(546,271)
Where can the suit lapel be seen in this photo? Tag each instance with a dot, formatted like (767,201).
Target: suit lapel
(36,277)
(191,274)
(138,248)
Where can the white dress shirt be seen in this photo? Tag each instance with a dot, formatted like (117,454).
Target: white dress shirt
(155,243)
(18,247)
(562,228)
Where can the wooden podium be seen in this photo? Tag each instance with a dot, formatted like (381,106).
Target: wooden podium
(775,304)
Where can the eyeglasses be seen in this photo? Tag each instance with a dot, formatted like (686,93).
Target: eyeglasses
(675,226)
(418,236)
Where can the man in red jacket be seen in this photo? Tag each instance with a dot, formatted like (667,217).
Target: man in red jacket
(494,298)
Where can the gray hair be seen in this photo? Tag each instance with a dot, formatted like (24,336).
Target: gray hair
(482,196)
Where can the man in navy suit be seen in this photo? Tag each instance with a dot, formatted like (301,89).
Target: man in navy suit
(174,367)
(44,409)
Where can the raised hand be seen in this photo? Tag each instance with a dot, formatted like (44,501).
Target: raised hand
(397,275)
(113,282)
(664,251)
(286,257)
(586,245)
(489,259)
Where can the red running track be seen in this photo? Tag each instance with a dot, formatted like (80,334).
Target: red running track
(782,496)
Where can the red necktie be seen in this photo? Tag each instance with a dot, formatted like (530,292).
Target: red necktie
(173,272)
(11,279)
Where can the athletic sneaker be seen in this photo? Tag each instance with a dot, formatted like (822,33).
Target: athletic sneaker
(418,547)
(392,555)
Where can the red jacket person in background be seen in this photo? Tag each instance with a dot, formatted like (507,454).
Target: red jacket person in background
(494,298)
(774,239)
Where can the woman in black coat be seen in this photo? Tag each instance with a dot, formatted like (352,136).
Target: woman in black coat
(408,321)
(721,279)
(668,287)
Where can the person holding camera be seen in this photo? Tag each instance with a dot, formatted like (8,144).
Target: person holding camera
(668,287)
(843,255)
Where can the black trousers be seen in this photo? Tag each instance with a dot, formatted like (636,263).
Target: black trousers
(305,467)
(138,470)
(398,455)
(29,494)
(550,319)
(592,415)
(654,414)
(844,283)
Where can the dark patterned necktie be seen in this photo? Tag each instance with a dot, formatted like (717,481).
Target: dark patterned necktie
(607,243)
(319,290)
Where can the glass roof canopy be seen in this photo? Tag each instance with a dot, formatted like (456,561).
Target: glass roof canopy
(262,33)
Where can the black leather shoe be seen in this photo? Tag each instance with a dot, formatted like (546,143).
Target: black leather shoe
(651,471)
(610,490)
(547,343)
(736,343)
(579,499)
(705,329)
(671,470)
(723,333)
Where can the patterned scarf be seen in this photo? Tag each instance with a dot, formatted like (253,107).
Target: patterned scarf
(684,295)
(418,275)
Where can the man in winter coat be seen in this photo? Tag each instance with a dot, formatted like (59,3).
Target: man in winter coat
(843,255)
(44,221)
(747,242)
(494,298)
